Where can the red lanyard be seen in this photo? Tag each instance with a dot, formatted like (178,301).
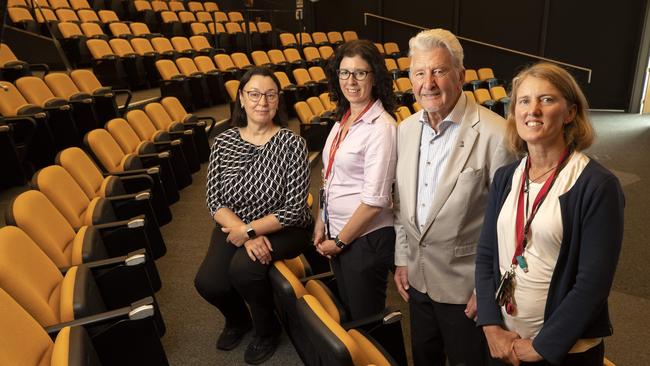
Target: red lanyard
(521,229)
(338,139)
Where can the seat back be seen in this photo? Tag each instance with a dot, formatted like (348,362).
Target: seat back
(498,92)
(319,38)
(482,95)
(162,44)
(276,56)
(167,69)
(311,53)
(327,103)
(124,134)
(301,76)
(220,17)
(315,105)
(304,112)
(292,54)
(158,115)
(84,171)
(187,66)
(210,6)
(61,85)
(325,52)
(224,62)
(199,28)
(335,37)
(288,40)
(200,43)
(380,48)
(142,46)
(195,6)
(283,79)
(390,64)
(241,60)
(88,15)
(92,30)
(470,75)
(181,44)
(66,15)
(79,4)
(350,36)
(143,126)
(485,73)
(58,4)
(304,38)
(204,64)
(403,112)
(119,29)
(264,27)
(159,6)
(121,47)
(6,55)
(139,29)
(404,84)
(66,195)
(85,80)
(68,30)
(39,218)
(317,73)
(24,341)
(235,16)
(34,90)
(99,48)
(175,109)
(231,87)
(168,16)
(12,101)
(106,149)
(33,280)
(404,63)
(176,6)
(391,48)
(186,16)
(260,58)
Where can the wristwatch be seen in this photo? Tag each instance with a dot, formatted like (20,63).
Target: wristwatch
(339,243)
(250,232)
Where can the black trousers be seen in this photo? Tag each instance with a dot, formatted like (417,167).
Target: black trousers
(591,357)
(361,272)
(442,331)
(228,278)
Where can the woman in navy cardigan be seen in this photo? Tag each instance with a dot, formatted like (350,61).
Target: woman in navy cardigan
(552,232)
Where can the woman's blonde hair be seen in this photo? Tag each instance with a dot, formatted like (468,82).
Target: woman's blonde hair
(578,134)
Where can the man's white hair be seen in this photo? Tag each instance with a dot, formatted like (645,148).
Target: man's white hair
(429,39)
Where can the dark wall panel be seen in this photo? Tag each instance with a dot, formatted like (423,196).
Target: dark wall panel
(600,36)
(512,24)
(603,36)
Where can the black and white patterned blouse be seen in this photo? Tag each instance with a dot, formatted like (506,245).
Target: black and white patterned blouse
(255,181)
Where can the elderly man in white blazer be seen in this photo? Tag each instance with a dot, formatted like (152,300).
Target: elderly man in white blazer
(447,155)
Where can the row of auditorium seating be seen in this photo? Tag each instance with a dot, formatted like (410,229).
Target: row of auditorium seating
(83,257)
(319,327)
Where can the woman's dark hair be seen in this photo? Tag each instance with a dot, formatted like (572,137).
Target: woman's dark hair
(238,117)
(382,85)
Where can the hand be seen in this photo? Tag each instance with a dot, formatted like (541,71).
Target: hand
(260,249)
(328,248)
(319,232)
(237,235)
(501,343)
(525,351)
(470,309)
(402,281)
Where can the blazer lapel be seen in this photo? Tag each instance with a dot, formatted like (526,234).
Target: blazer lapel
(411,154)
(460,153)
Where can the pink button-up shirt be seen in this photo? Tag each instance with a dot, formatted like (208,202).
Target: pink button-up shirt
(363,170)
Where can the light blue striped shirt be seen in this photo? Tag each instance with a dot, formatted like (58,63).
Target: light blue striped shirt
(435,148)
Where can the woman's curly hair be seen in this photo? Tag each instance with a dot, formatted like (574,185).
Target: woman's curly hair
(382,85)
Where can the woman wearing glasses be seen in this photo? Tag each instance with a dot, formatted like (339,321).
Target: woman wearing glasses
(355,224)
(257,186)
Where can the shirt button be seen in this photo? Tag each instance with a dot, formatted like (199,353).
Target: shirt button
(428,163)
(423,205)
(426,184)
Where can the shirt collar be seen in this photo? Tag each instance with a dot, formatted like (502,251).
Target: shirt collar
(371,114)
(455,116)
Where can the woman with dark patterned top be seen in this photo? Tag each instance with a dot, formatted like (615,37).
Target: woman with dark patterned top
(258,181)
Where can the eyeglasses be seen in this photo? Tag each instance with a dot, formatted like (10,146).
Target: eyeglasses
(358,74)
(255,96)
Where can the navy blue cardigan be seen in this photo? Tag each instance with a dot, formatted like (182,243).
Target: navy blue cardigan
(576,307)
